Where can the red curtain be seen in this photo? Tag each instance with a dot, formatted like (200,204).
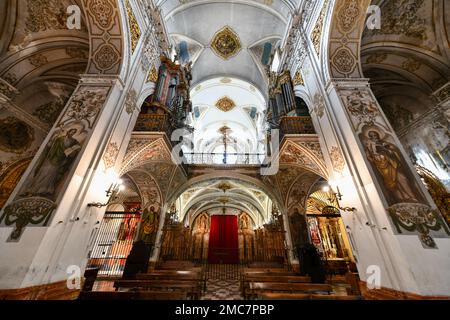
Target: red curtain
(223,240)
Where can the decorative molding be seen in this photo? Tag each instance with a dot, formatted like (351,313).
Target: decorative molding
(298,79)
(225,104)
(110,156)
(316,35)
(337,160)
(131,102)
(226,43)
(133,26)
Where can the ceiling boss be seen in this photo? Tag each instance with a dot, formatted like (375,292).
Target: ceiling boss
(226,43)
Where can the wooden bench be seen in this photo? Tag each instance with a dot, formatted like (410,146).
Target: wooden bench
(304,296)
(175,264)
(191,288)
(266,270)
(271,278)
(256,288)
(200,278)
(132,295)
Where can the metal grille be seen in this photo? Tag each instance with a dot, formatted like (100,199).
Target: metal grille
(224,158)
(113,243)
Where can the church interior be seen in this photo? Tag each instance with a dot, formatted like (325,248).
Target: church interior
(224,150)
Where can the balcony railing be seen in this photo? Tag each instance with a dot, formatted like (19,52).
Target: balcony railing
(224,158)
(153,123)
(296,125)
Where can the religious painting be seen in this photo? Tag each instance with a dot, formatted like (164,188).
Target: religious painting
(37,198)
(15,135)
(55,162)
(392,171)
(149,225)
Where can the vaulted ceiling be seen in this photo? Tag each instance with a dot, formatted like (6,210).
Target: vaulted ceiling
(408,59)
(254,28)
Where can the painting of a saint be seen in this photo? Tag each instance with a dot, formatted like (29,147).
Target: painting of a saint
(53,164)
(390,167)
(149,225)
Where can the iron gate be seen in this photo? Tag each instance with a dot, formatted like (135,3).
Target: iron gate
(114,241)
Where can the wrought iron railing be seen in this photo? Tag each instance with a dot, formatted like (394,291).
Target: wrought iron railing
(296,125)
(113,243)
(224,158)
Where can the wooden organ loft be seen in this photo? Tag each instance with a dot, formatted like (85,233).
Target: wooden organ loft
(166,109)
(287,112)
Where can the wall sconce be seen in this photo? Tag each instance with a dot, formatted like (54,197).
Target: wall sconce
(112,193)
(336,197)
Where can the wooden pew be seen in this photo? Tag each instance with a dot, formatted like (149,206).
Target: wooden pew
(175,265)
(304,296)
(267,270)
(256,288)
(191,288)
(190,276)
(132,295)
(263,277)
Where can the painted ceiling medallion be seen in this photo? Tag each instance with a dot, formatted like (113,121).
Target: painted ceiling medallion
(226,43)
(225,104)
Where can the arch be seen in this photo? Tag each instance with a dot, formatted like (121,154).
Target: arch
(224,174)
(107,31)
(344,36)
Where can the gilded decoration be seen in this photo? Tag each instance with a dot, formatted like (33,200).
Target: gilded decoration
(298,79)
(16,136)
(437,190)
(152,74)
(226,43)
(225,104)
(135,31)
(316,34)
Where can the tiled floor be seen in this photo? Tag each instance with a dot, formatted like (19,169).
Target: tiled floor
(223,283)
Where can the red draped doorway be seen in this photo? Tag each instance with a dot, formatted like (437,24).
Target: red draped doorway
(223,240)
